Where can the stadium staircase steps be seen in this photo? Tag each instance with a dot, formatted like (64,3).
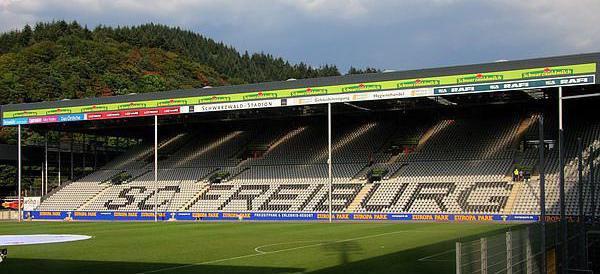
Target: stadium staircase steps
(514,195)
(93,197)
(171,199)
(359,197)
(195,199)
(237,172)
(394,158)
(394,174)
(175,144)
(432,131)
(523,129)
(205,177)
(138,176)
(243,162)
(362,174)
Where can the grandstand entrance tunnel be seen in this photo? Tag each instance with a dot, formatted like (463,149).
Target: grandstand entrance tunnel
(420,158)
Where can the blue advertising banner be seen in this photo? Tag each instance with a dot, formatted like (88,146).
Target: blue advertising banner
(268,216)
(515,85)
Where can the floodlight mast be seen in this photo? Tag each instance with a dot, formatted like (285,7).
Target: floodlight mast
(329,160)
(155,168)
(59,160)
(19,203)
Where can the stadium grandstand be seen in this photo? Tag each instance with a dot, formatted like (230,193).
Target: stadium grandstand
(447,144)
(430,149)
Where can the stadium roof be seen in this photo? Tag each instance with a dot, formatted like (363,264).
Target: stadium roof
(568,70)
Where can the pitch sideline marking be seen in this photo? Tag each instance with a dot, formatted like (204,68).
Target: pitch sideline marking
(258,248)
(273,252)
(428,258)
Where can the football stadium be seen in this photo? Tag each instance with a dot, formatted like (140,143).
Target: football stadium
(485,168)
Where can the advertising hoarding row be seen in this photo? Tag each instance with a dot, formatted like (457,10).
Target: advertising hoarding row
(571,75)
(268,216)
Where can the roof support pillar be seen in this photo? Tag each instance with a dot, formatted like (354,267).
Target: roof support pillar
(155,168)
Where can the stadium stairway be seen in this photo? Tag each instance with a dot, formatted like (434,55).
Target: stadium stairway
(203,182)
(94,197)
(195,199)
(513,197)
(523,128)
(395,171)
(360,196)
(362,174)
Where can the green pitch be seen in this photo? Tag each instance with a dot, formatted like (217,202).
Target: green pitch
(241,247)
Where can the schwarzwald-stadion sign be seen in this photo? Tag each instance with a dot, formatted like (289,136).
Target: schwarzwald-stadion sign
(569,75)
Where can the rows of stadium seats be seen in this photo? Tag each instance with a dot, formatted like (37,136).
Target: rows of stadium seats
(468,139)
(72,196)
(139,195)
(290,196)
(459,165)
(447,197)
(528,200)
(455,171)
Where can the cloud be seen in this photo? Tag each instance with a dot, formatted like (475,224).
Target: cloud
(395,34)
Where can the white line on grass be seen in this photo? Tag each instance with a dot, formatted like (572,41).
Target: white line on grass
(275,251)
(258,248)
(428,258)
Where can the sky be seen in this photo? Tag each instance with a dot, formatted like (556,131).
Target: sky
(386,34)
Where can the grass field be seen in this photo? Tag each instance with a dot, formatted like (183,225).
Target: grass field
(241,247)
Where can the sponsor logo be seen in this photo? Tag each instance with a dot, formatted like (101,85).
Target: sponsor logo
(94,116)
(173,102)
(423,217)
(234,106)
(361,87)
(547,72)
(236,215)
(213,99)
(132,105)
(149,111)
(306,101)
(84,214)
(480,77)
(330,98)
(205,215)
(50,213)
(260,95)
(71,117)
(132,113)
(58,111)
(35,120)
(309,91)
(358,97)
(24,114)
(418,83)
(49,119)
(388,94)
(94,108)
(112,114)
(477,218)
(169,110)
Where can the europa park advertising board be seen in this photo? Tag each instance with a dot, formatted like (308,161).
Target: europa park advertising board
(569,75)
